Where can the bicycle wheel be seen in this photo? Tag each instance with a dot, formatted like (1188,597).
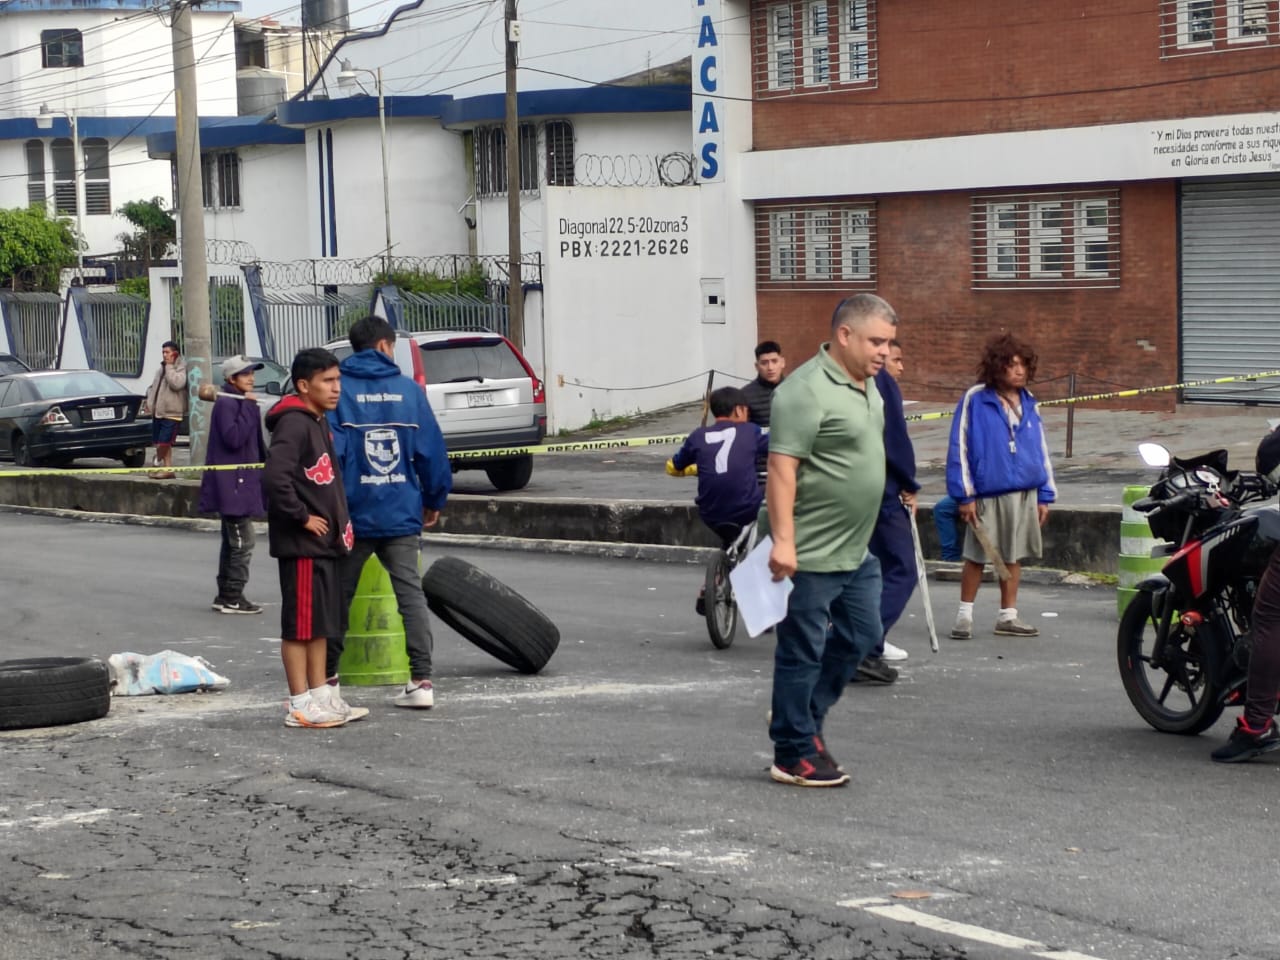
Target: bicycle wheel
(722,611)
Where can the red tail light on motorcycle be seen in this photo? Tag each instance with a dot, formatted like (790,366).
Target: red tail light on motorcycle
(1191,619)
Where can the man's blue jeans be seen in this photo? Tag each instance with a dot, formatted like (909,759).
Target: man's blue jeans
(811,665)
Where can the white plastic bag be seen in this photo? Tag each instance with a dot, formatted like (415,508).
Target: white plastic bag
(141,675)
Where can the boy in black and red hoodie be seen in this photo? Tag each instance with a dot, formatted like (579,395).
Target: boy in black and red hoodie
(309,532)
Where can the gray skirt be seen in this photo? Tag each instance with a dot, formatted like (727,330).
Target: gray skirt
(1012,522)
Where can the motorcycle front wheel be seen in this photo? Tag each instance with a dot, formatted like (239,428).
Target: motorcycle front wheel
(1178,696)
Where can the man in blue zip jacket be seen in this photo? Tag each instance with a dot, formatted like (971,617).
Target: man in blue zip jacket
(396,471)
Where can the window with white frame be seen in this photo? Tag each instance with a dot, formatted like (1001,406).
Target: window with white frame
(821,245)
(36,189)
(854,41)
(781,57)
(1206,26)
(1046,240)
(817,43)
(97,177)
(62,152)
(812,46)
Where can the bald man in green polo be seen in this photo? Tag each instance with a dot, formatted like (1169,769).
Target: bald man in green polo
(825,482)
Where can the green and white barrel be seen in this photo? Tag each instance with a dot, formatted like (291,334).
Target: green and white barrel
(1136,541)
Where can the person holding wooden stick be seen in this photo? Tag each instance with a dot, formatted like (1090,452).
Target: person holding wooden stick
(1000,475)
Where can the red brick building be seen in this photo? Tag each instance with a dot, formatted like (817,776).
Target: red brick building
(1101,177)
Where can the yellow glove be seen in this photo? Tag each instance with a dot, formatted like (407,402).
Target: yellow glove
(690,471)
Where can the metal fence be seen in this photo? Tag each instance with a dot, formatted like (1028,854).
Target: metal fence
(32,321)
(450,311)
(226,314)
(115,327)
(295,321)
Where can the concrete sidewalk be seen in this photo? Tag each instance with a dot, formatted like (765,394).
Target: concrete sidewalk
(623,497)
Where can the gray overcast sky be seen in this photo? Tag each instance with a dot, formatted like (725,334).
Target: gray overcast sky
(456,46)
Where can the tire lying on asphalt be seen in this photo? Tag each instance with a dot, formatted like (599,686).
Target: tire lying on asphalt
(51,691)
(490,614)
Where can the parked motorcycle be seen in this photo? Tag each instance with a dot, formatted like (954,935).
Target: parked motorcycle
(1184,640)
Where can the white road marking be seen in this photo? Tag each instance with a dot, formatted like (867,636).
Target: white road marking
(892,911)
(45,823)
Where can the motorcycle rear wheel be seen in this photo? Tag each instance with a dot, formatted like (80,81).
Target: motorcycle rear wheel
(1178,697)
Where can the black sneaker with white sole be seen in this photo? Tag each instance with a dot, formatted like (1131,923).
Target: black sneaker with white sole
(809,772)
(240,606)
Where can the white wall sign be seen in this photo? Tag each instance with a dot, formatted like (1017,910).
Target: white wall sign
(622,300)
(708,134)
(1232,145)
(1204,145)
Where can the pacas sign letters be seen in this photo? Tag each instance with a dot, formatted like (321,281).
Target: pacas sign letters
(708,137)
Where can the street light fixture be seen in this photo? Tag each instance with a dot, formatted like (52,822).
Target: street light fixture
(44,121)
(348,77)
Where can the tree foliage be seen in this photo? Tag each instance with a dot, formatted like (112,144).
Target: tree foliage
(34,249)
(156,231)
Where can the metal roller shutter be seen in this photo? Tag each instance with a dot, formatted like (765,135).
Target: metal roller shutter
(1231,287)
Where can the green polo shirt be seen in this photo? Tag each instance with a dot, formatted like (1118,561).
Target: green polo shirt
(836,430)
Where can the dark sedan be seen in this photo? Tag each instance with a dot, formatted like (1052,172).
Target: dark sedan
(54,416)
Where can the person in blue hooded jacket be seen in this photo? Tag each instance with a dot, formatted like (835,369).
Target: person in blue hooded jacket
(396,471)
(1000,475)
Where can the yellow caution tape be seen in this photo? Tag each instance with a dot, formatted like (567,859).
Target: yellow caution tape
(1116,394)
(574,446)
(619,443)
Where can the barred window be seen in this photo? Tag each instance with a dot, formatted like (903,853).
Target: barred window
(811,46)
(559,137)
(61,48)
(36,190)
(220,180)
(818,245)
(1046,240)
(490,146)
(1207,26)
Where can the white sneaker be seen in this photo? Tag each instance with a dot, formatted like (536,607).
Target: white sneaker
(892,652)
(417,696)
(338,705)
(314,715)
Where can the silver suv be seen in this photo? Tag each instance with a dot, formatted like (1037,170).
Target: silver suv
(484,394)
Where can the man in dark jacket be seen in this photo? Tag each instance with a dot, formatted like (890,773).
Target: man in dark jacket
(759,392)
(396,471)
(891,541)
(235,436)
(309,532)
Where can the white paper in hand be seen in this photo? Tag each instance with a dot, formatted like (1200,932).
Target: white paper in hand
(761,600)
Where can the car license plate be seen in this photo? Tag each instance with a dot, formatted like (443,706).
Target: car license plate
(480,399)
(103,413)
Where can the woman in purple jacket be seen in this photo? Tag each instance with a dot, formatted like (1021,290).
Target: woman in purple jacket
(235,436)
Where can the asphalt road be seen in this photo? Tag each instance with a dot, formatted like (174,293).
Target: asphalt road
(616,805)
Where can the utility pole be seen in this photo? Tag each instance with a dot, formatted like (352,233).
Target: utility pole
(515,290)
(195,271)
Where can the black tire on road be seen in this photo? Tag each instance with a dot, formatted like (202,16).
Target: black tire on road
(490,614)
(717,600)
(136,459)
(511,474)
(1180,697)
(51,691)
